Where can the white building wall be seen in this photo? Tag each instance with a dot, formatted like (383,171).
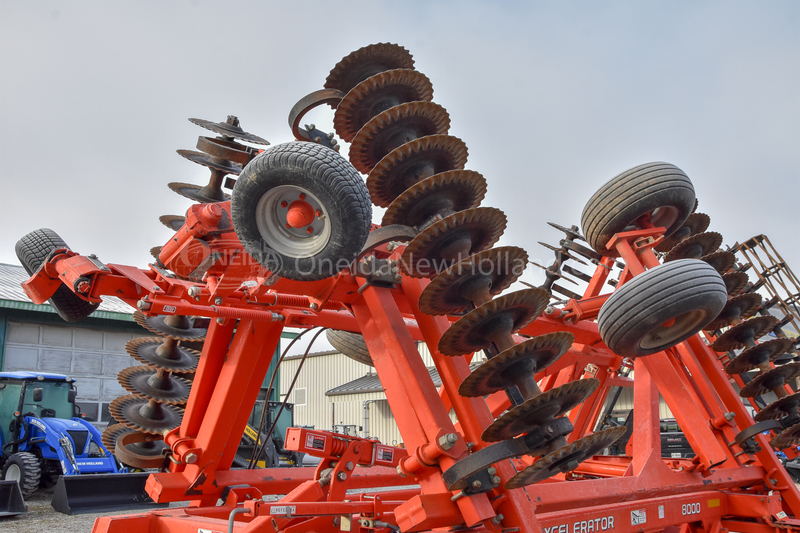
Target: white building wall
(92,357)
(321,373)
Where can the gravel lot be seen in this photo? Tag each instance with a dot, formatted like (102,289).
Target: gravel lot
(42,518)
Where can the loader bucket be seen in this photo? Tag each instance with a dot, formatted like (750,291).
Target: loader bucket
(95,493)
(11,502)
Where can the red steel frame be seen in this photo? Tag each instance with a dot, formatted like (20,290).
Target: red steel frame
(722,488)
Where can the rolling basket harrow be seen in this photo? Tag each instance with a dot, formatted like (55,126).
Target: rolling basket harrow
(293,246)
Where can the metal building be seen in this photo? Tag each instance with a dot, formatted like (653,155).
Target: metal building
(92,352)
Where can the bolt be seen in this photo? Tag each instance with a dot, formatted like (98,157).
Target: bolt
(391,246)
(497,519)
(548,310)
(143,305)
(400,471)
(318,213)
(330,136)
(190,459)
(302,196)
(284,204)
(341,476)
(458,496)
(470,445)
(496,480)
(92,256)
(220,320)
(492,470)
(773,481)
(447,441)
(476,484)
(336,521)
(349,466)
(156,288)
(378,274)
(218,300)
(310,230)
(314,306)
(729,415)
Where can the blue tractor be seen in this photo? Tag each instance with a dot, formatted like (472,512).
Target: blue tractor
(42,435)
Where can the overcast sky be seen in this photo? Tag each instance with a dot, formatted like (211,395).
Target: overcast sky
(552,99)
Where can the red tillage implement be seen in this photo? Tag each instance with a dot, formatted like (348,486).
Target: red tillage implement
(293,247)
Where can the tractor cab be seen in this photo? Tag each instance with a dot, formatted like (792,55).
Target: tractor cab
(41,433)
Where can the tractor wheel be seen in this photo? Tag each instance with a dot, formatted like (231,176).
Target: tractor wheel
(32,251)
(350,344)
(51,470)
(653,193)
(661,307)
(301,210)
(23,467)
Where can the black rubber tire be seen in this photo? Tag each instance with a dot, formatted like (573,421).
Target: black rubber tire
(51,470)
(350,344)
(661,189)
(32,250)
(29,472)
(688,290)
(327,176)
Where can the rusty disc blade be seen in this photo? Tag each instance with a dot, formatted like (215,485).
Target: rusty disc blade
(566,458)
(173,222)
(473,281)
(788,405)
(735,282)
(140,450)
(193,192)
(743,334)
(538,410)
(413,162)
(788,437)
(226,150)
(145,416)
(393,128)
(155,251)
(502,316)
(436,197)
(737,308)
(694,224)
(754,356)
(153,351)
(145,381)
(721,261)
(366,62)
(197,346)
(695,246)
(229,130)
(178,327)
(772,379)
(500,372)
(376,94)
(211,162)
(110,434)
(452,239)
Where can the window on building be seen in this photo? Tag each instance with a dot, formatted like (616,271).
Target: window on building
(300,396)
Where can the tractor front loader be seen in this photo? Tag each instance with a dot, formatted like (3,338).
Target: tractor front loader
(292,245)
(44,442)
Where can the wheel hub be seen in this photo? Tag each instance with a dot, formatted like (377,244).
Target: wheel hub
(292,221)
